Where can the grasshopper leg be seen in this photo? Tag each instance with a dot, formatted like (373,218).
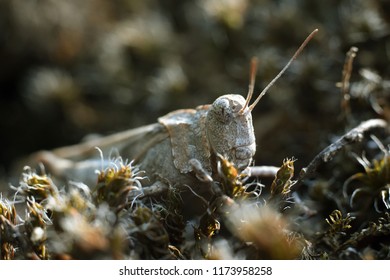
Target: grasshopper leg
(199,171)
(262,171)
(156,189)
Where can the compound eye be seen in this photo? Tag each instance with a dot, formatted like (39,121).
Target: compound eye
(222,110)
(236,106)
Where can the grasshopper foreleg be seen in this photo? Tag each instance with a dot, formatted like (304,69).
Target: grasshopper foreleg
(262,171)
(199,171)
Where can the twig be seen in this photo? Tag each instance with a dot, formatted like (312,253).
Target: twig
(346,76)
(353,136)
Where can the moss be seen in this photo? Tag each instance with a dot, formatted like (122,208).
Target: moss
(129,59)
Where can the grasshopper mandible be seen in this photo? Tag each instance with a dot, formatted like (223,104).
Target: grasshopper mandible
(182,148)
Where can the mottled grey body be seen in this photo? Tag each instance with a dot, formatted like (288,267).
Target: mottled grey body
(167,150)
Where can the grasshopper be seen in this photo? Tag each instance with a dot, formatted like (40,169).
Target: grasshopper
(182,148)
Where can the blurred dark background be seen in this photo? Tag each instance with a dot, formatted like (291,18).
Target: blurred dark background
(73,68)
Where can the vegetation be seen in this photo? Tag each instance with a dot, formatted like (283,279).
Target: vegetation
(67,72)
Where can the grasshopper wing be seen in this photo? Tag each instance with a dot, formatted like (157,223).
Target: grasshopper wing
(79,162)
(130,144)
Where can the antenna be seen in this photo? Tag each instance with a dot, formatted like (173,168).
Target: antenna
(252,79)
(308,38)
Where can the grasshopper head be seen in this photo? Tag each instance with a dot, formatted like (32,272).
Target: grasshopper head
(230,130)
